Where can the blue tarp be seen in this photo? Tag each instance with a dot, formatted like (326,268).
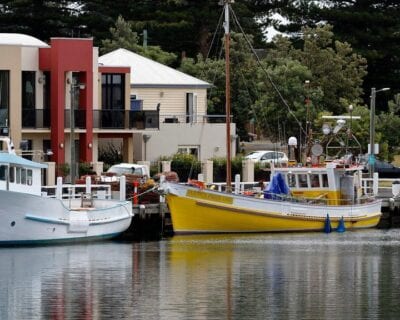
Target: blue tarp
(277,187)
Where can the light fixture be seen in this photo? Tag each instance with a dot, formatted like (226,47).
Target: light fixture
(292,141)
(351,108)
(146,137)
(61,145)
(42,79)
(90,145)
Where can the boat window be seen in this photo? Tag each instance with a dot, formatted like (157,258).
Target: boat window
(12,174)
(325,181)
(303,181)
(314,178)
(291,180)
(18,175)
(29,177)
(23,176)
(3,173)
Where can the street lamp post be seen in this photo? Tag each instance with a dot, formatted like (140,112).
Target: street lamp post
(371,158)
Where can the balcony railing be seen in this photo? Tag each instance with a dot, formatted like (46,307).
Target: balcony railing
(115,119)
(36,118)
(79,117)
(185,118)
(125,119)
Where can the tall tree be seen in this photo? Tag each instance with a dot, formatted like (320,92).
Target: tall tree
(370,26)
(122,36)
(40,18)
(179,26)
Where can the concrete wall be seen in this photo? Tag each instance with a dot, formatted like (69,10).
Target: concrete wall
(210,138)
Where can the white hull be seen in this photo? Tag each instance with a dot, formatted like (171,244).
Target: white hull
(26,218)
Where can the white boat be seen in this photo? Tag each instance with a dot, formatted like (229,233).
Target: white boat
(29,216)
(328,195)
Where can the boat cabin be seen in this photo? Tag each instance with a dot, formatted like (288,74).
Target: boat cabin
(19,174)
(338,184)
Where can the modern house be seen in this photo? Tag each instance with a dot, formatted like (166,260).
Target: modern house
(182,104)
(153,110)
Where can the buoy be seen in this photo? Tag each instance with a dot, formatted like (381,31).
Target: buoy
(327,227)
(341,227)
(135,198)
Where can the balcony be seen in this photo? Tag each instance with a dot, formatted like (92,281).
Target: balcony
(115,119)
(125,119)
(36,118)
(79,119)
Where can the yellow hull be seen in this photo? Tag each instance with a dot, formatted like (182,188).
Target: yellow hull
(200,216)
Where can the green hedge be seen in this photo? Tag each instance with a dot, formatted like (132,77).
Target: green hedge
(187,166)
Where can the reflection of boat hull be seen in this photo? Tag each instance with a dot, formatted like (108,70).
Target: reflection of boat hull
(204,211)
(26,218)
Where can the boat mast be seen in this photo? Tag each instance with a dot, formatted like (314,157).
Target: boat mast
(227,96)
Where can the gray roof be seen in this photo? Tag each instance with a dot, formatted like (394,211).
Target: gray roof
(149,73)
(18,39)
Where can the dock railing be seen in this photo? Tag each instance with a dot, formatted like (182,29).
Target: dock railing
(72,191)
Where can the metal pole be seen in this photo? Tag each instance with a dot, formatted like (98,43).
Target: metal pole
(72,129)
(228,97)
(371,158)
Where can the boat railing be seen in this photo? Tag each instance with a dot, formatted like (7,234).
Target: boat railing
(321,200)
(370,185)
(99,191)
(75,191)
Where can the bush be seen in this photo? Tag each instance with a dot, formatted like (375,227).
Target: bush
(219,168)
(85,168)
(186,166)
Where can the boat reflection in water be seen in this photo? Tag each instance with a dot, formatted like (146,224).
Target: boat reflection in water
(278,276)
(285,276)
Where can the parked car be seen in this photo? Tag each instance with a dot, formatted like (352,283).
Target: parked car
(268,156)
(117,170)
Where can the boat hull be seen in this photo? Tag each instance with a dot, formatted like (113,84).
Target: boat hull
(203,211)
(30,219)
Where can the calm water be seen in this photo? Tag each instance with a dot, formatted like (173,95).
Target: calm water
(355,275)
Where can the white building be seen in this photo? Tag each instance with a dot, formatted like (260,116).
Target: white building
(182,104)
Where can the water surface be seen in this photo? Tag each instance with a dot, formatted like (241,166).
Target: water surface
(354,275)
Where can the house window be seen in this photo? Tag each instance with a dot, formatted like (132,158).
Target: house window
(113,91)
(28,89)
(4,97)
(193,150)
(191,107)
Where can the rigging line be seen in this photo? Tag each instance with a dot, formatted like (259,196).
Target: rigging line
(266,72)
(215,74)
(219,24)
(257,92)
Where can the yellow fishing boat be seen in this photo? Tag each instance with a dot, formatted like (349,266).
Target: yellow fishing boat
(316,194)
(308,197)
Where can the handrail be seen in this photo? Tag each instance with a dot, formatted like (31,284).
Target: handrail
(73,191)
